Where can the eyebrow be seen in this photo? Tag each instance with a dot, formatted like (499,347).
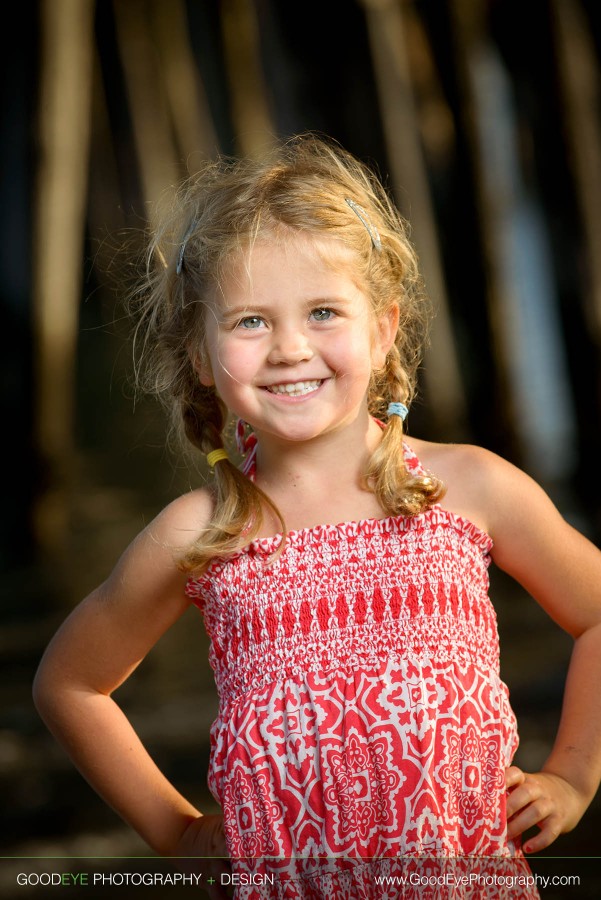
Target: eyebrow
(258,310)
(235,311)
(228,316)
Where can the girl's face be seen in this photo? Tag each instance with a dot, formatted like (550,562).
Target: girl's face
(291,340)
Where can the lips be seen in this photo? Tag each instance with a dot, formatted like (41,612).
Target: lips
(294,388)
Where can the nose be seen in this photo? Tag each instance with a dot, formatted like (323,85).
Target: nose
(290,345)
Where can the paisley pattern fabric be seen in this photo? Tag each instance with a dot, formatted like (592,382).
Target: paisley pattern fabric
(363,722)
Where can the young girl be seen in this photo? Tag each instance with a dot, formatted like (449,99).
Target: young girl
(341,570)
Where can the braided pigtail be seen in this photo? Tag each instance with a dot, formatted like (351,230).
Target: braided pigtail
(239,504)
(399,491)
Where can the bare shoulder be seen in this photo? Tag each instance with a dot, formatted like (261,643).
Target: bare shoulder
(179,523)
(113,628)
(150,565)
(476,480)
(492,492)
(451,461)
(532,541)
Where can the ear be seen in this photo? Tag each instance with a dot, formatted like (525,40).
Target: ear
(202,366)
(385,333)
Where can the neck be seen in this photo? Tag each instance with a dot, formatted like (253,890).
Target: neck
(320,481)
(337,451)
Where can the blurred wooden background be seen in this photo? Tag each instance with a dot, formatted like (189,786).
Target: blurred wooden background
(485,123)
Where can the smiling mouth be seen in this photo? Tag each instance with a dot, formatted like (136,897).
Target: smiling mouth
(295,389)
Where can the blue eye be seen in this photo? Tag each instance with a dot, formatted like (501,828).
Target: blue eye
(322,314)
(251,322)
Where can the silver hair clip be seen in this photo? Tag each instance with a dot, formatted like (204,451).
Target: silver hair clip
(182,247)
(364,218)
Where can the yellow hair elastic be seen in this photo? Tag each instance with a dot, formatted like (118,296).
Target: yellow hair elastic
(216,455)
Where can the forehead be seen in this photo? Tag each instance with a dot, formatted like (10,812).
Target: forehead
(290,265)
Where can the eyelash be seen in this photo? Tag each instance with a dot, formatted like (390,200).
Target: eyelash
(318,309)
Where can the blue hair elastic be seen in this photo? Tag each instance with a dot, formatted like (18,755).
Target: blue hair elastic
(397,409)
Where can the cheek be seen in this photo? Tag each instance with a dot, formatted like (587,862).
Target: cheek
(356,355)
(237,360)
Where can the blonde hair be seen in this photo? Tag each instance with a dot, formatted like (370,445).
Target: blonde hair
(302,186)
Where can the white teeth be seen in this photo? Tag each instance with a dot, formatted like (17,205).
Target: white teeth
(294,390)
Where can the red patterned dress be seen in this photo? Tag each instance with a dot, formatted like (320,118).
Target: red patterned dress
(363,729)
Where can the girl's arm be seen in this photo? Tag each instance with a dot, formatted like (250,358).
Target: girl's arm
(561,569)
(96,649)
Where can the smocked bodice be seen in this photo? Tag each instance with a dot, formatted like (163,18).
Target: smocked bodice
(348,595)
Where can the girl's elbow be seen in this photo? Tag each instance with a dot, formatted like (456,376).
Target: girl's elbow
(44,692)
(49,689)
